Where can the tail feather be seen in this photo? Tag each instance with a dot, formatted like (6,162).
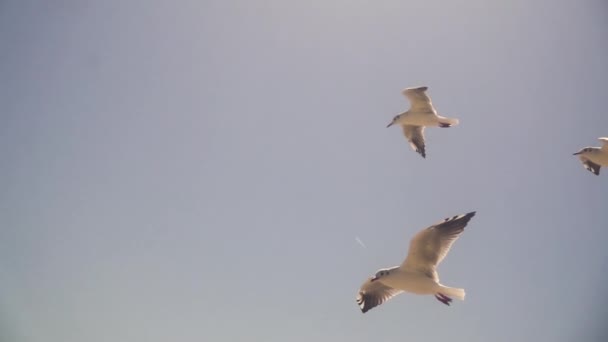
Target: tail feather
(453,292)
(447,122)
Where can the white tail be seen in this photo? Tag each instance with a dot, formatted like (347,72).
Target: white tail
(453,292)
(448,121)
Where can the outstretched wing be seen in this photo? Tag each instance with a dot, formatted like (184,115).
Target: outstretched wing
(418,98)
(591,166)
(374,293)
(415,136)
(431,245)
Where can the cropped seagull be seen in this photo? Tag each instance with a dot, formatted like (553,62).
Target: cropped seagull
(417,274)
(420,115)
(594,158)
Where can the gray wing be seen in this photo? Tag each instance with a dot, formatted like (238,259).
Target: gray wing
(374,293)
(418,98)
(591,166)
(431,245)
(415,136)
(604,141)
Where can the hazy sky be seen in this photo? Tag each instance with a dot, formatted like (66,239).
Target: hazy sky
(200,170)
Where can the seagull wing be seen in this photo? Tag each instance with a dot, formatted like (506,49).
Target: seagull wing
(591,166)
(418,98)
(374,293)
(415,135)
(431,245)
(604,140)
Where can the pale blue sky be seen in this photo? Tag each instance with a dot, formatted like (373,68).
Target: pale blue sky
(199,170)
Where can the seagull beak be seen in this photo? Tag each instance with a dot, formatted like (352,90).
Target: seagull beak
(390,124)
(577,153)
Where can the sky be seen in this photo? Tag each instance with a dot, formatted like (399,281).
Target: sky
(202,170)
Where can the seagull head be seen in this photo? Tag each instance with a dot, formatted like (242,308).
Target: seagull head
(395,119)
(381,273)
(584,151)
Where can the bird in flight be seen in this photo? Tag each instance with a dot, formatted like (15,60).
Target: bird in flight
(420,115)
(593,158)
(418,272)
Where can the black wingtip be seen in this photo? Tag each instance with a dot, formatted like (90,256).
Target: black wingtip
(363,305)
(468,216)
(462,218)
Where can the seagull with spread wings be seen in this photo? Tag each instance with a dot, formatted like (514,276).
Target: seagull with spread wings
(420,115)
(417,274)
(593,158)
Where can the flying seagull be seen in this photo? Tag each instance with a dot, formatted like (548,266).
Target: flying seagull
(417,274)
(593,158)
(420,115)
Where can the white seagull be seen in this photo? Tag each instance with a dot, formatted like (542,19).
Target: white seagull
(594,158)
(417,274)
(420,115)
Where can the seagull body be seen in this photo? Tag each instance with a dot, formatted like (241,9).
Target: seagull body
(420,115)
(593,158)
(417,274)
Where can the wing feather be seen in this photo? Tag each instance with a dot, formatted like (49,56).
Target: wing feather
(415,136)
(590,166)
(432,244)
(418,98)
(604,140)
(374,293)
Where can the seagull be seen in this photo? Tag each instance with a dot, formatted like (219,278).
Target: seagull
(417,274)
(420,115)
(594,158)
